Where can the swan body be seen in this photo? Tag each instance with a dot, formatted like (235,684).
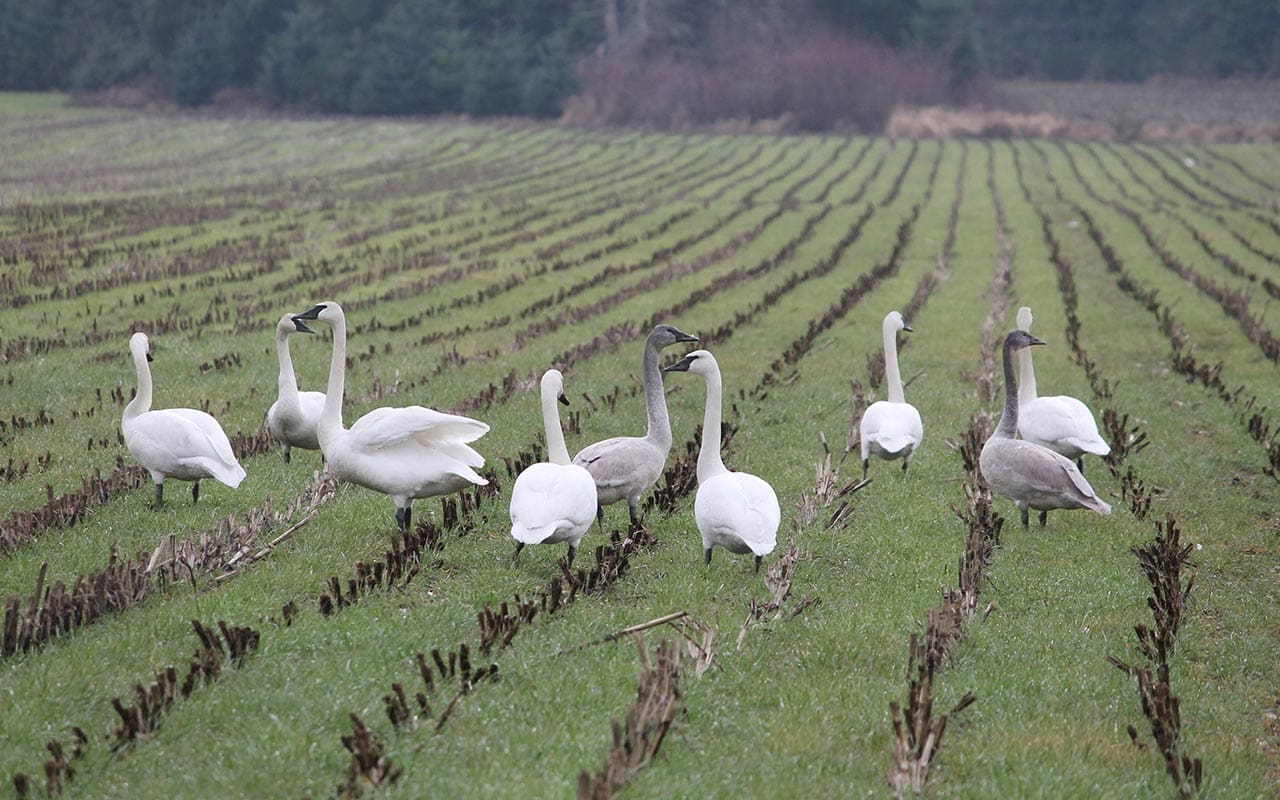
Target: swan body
(408,452)
(293,417)
(555,500)
(1029,474)
(736,510)
(1061,423)
(625,467)
(182,443)
(891,429)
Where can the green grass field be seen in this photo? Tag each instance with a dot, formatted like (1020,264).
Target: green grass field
(470,258)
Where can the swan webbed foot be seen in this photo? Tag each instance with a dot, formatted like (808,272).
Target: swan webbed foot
(635,514)
(758,560)
(1023,512)
(195,492)
(706,556)
(403,517)
(1044,516)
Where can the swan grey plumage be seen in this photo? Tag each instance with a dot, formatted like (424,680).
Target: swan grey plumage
(182,443)
(293,417)
(891,428)
(1061,423)
(624,467)
(407,452)
(1029,474)
(736,510)
(554,500)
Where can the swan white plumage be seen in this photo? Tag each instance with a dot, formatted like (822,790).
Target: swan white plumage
(182,443)
(1029,474)
(554,500)
(891,429)
(407,452)
(294,416)
(1061,423)
(736,510)
(624,467)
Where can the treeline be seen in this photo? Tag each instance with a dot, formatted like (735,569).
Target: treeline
(823,62)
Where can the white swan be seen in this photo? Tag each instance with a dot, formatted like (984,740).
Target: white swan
(736,510)
(1031,475)
(402,452)
(293,417)
(891,428)
(624,467)
(182,443)
(552,501)
(1061,423)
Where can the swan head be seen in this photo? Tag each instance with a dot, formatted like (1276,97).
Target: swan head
(663,335)
(328,312)
(893,321)
(1018,339)
(699,362)
(1024,318)
(140,346)
(291,323)
(553,386)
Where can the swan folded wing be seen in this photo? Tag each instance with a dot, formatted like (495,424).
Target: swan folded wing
(183,443)
(388,427)
(1061,419)
(892,427)
(742,505)
(550,499)
(1035,470)
(621,461)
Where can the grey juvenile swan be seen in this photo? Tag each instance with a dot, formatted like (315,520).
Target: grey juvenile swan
(624,467)
(1029,474)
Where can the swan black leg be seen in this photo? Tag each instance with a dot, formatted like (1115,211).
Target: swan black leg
(600,516)
(287,455)
(635,515)
(866,462)
(573,551)
(159,496)
(1080,464)
(706,556)
(1044,516)
(758,560)
(1023,511)
(195,492)
(516,555)
(402,519)
(904,466)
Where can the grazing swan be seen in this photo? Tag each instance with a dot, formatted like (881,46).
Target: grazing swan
(1061,423)
(891,428)
(293,417)
(403,452)
(735,510)
(1031,475)
(624,467)
(553,501)
(181,443)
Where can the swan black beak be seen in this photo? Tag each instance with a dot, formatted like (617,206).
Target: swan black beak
(908,328)
(682,365)
(310,313)
(681,336)
(300,326)
(564,401)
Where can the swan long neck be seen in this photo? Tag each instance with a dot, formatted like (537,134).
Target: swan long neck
(710,463)
(331,416)
(557,451)
(1008,426)
(287,382)
(1027,391)
(655,399)
(892,376)
(141,402)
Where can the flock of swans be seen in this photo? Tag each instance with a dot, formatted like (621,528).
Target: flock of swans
(414,452)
